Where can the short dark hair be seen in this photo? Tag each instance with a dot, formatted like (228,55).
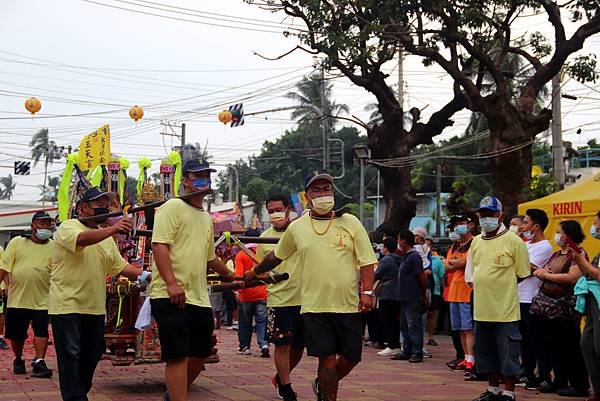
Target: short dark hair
(278,198)
(407,236)
(518,216)
(538,216)
(390,244)
(573,230)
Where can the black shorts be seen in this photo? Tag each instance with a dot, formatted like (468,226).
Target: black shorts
(285,326)
(183,332)
(334,334)
(437,302)
(18,320)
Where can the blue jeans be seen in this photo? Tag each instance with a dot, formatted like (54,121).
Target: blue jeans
(247,311)
(411,326)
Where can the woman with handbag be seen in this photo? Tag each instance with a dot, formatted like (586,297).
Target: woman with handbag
(556,329)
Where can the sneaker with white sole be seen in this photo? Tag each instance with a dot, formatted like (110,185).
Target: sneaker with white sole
(244,351)
(388,352)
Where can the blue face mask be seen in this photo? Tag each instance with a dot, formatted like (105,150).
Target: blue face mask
(43,234)
(201,183)
(461,229)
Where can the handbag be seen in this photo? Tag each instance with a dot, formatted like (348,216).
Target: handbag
(550,308)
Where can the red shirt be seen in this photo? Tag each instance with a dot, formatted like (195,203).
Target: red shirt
(243,263)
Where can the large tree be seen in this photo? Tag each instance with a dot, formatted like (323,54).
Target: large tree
(470,40)
(349,34)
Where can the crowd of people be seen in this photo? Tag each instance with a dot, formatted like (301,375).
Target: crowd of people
(513,305)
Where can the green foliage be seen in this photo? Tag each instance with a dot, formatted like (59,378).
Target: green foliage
(8,186)
(257,190)
(584,69)
(540,186)
(354,208)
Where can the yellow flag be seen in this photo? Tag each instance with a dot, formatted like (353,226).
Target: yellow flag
(94,149)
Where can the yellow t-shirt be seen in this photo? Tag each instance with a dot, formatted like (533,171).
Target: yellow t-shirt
(286,293)
(28,264)
(78,274)
(329,262)
(497,262)
(189,233)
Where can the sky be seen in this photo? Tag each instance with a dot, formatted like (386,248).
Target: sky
(89,63)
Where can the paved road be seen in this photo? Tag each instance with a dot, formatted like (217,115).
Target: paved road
(247,378)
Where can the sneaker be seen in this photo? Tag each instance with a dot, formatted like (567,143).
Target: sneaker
(244,351)
(452,364)
(368,343)
(432,343)
(470,372)
(532,383)
(427,354)
(488,396)
(3,344)
(546,387)
(460,366)
(39,369)
(379,346)
(234,326)
(264,352)
(19,367)
(317,390)
(573,392)
(400,356)
(416,358)
(388,352)
(286,393)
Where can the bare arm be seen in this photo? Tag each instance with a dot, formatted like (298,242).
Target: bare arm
(585,266)
(3,274)
(269,263)
(91,237)
(220,268)
(569,278)
(162,258)
(367,278)
(131,272)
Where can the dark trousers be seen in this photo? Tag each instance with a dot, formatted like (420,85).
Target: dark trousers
(372,322)
(411,326)
(528,355)
(389,310)
(79,343)
(557,348)
(590,342)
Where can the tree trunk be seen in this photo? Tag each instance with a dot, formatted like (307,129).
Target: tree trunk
(387,141)
(510,169)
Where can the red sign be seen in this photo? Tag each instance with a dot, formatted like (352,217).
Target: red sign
(114,166)
(166,168)
(566,208)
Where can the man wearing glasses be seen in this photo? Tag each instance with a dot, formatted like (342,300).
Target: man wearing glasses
(334,251)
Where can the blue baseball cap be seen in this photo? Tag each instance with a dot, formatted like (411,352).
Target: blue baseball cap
(490,203)
(195,166)
(95,193)
(317,175)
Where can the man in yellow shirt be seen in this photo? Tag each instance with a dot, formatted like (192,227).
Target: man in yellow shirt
(497,260)
(283,300)
(184,247)
(333,250)
(84,255)
(27,260)
(3,344)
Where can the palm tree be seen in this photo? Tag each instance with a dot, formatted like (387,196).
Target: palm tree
(43,148)
(308,92)
(9,186)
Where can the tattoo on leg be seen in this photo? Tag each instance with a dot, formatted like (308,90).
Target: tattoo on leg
(328,382)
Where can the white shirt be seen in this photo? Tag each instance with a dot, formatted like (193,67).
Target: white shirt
(539,254)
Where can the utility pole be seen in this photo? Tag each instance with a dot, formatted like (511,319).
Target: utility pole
(438,200)
(182,138)
(558,164)
(324,121)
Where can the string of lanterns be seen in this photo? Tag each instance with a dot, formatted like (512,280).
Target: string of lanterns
(33,105)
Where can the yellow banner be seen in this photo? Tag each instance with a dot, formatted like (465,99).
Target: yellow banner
(94,149)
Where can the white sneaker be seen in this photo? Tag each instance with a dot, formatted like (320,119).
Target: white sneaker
(388,352)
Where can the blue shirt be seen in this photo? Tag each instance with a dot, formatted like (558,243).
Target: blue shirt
(409,286)
(387,274)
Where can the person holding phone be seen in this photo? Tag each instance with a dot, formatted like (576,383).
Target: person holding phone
(555,328)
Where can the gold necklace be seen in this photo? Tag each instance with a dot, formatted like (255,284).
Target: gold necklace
(312,225)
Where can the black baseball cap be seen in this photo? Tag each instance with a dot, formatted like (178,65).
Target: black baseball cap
(95,193)
(195,166)
(456,218)
(317,175)
(41,215)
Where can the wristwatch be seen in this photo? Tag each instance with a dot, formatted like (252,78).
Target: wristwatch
(369,293)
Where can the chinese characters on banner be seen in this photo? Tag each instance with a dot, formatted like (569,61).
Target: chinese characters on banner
(94,149)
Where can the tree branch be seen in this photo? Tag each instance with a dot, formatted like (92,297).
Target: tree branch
(422,134)
(534,61)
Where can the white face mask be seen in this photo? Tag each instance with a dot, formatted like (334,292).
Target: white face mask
(323,204)
(558,240)
(276,217)
(528,235)
(489,224)
(514,229)
(453,236)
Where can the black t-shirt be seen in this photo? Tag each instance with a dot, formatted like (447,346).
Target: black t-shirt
(409,287)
